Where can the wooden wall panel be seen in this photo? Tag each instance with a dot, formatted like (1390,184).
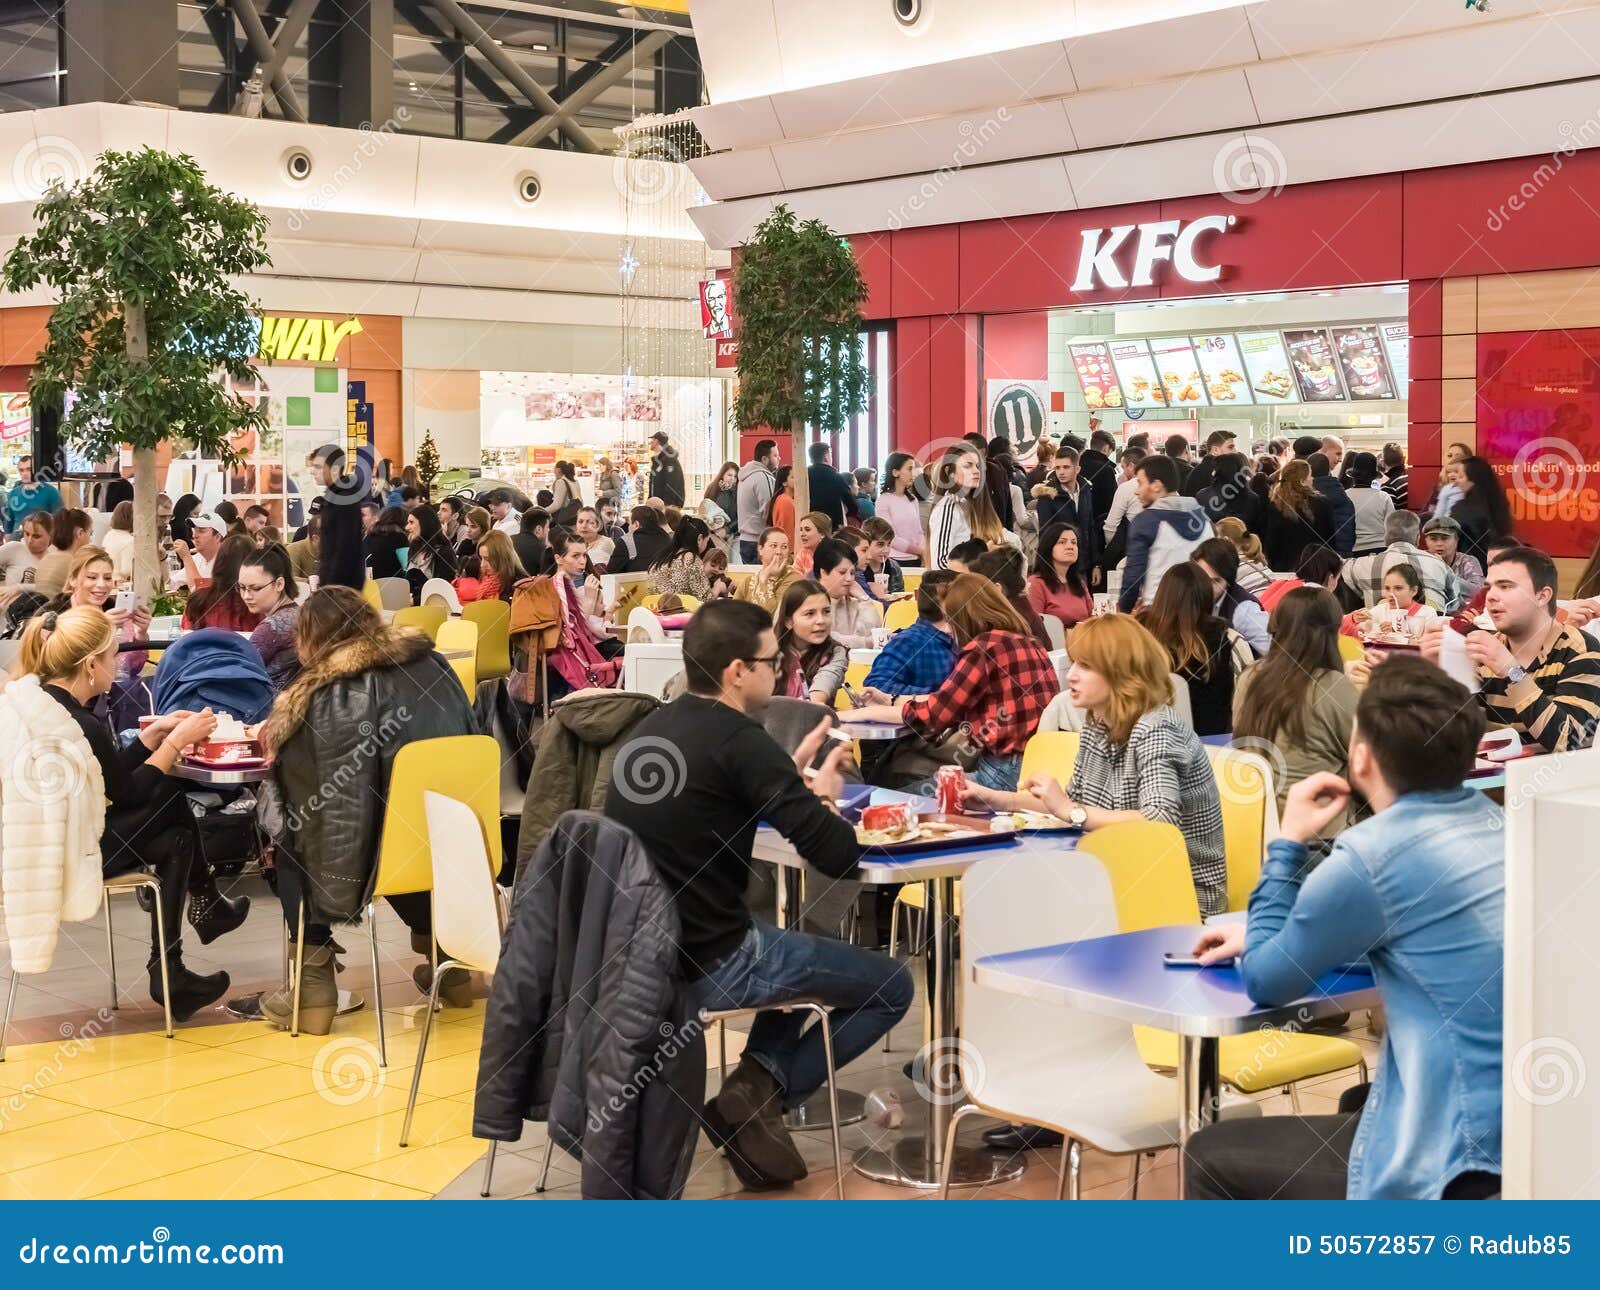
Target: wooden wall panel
(1458,356)
(1538,301)
(1459,306)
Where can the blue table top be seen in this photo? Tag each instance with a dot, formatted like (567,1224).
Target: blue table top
(1124,976)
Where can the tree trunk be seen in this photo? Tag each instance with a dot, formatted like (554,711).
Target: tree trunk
(802,481)
(148,579)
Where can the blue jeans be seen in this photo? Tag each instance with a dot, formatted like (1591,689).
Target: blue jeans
(749,552)
(867,991)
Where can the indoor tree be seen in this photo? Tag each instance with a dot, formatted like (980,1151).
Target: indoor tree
(142,255)
(798,293)
(427,462)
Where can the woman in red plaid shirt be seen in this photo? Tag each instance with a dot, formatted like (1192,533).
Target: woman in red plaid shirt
(1002,682)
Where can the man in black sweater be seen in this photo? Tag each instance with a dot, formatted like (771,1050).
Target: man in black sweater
(724,775)
(830,491)
(341,563)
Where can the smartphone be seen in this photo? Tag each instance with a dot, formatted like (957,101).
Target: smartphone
(125,602)
(850,693)
(1172,960)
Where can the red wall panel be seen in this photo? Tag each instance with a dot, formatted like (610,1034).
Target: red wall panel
(1427,358)
(876,261)
(926,269)
(1029,262)
(953,383)
(1016,347)
(910,389)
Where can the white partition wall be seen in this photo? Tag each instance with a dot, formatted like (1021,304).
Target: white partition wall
(1552,1027)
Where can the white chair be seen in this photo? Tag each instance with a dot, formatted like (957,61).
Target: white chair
(1062,715)
(1055,631)
(1038,1062)
(644,627)
(438,591)
(394,593)
(467,924)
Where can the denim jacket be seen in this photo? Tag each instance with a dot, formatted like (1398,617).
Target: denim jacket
(1419,890)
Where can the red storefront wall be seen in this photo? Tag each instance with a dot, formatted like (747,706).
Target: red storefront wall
(1443,231)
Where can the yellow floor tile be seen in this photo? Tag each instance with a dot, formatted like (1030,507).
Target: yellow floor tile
(75,1135)
(348,1187)
(441,1076)
(46,1066)
(180,1108)
(188,1067)
(309,1114)
(24,1110)
(219,1036)
(247,1177)
(110,1167)
(352,1147)
(429,1168)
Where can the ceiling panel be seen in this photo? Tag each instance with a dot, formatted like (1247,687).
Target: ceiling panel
(737,174)
(1135,55)
(1179,106)
(1171,168)
(1293,28)
(742,123)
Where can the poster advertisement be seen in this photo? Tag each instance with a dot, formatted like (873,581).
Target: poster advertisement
(1136,373)
(1361,361)
(1397,345)
(1266,363)
(1316,371)
(1222,368)
(1016,412)
(1097,377)
(1539,427)
(1180,373)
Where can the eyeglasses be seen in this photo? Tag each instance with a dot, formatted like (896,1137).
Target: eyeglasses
(247,590)
(771,660)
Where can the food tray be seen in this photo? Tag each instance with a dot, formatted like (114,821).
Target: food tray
(985,826)
(1040,822)
(225,763)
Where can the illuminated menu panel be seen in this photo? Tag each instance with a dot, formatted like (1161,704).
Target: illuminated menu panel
(1316,369)
(1179,372)
(1137,374)
(1361,361)
(1397,345)
(1266,363)
(1223,369)
(1097,376)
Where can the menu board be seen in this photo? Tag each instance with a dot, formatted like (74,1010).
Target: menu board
(1360,351)
(1222,367)
(1397,345)
(1175,361)
(1097,376)
(1266,363)
(1316,370)
(1137,374)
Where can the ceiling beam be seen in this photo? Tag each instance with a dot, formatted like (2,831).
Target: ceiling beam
(255,32)
(602,79)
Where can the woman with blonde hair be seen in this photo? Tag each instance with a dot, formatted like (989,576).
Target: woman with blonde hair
(79,809)
(91,582)
(999,688)
(501,568)
(964,510)
(119,540)
(1137,760)
(1254,576)
(1296,517)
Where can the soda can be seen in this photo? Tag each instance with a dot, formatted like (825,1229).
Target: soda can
(949,784)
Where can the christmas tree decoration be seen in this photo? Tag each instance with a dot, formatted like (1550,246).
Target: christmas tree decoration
(427,462)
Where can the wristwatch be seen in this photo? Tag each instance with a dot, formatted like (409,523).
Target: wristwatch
(1077,817)
(1517,673)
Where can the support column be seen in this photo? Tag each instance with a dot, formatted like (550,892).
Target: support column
(121,51)
(366,63)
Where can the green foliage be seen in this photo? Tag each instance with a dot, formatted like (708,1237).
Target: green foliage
(427,462)
(145,230)
(798,294)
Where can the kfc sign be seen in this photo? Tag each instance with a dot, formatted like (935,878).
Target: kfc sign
(1169,239)
(714,313)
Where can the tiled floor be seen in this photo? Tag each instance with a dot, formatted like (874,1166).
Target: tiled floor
(96,1103)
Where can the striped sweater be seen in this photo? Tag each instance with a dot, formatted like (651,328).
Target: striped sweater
(1557,704)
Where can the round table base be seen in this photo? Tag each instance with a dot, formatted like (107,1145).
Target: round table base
(910,1164)
(814,1112)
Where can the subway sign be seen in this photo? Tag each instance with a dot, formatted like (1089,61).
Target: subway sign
(308,340)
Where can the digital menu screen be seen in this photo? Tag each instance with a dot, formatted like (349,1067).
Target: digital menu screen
(1179,372)
(1397,345)
(1361,361)
(1222,367)
(1316,370)
(1137,374)
(1266,363)
(1097,376)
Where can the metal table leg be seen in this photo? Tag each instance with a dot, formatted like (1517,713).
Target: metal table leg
(1199,1091)
(917,1159)
(815,1112)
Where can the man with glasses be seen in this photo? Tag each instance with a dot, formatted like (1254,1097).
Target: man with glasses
(724,776)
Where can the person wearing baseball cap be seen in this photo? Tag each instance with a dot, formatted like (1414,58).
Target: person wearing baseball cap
(1442,537)
(666,471)
(209,530)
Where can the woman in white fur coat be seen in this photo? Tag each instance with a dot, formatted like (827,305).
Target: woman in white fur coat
(77,808)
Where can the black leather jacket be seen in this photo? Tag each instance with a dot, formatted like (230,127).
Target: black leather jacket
(335,732)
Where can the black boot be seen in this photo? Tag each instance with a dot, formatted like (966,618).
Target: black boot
(190,990)
(722,1137)
(751,1107)
(212,914)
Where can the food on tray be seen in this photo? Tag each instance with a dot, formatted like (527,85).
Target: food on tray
(947,829)
(893,822)
(1037,820)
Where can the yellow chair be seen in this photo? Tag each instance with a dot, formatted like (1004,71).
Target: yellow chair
(1249,817)
(912,580)
(371,594)
(1153,886)
(465,767)
(1050,752)
(458,636)
(493,620)
(1351,650)
(855,676)
(900,614)
(427,619)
